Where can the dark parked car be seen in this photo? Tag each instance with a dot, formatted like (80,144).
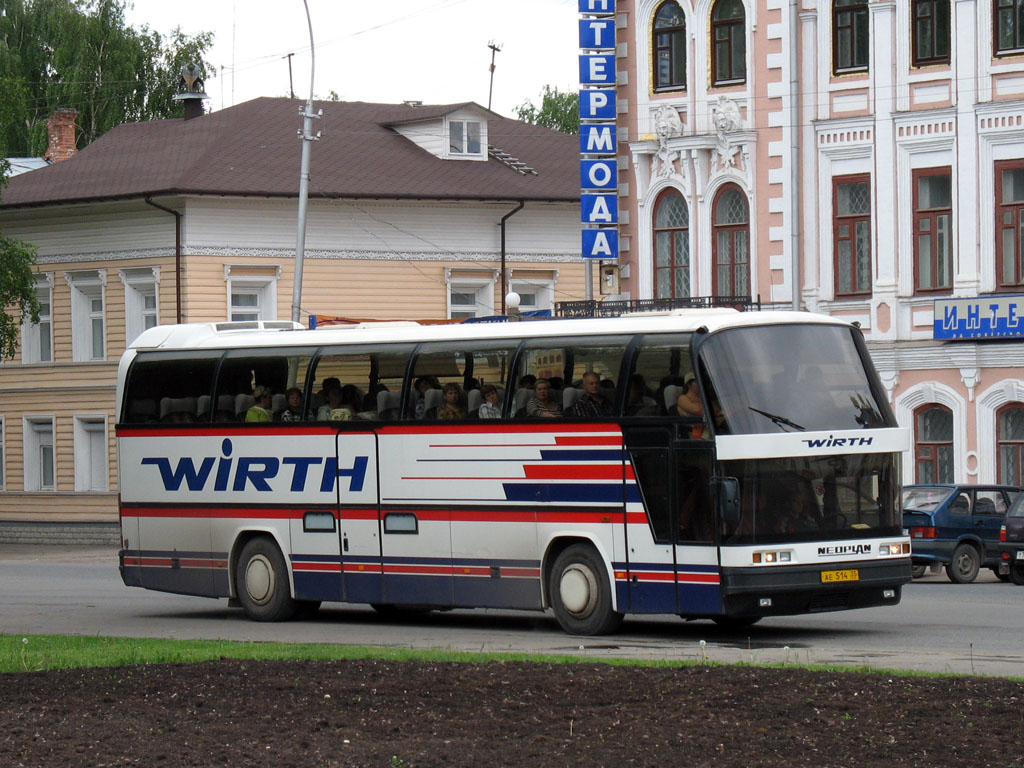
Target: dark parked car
(957,526)
(1012,542)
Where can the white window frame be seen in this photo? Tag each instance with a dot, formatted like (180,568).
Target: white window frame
(140,284)
(3,453)
(88,286)
(481,287)
(35,442)
(263,287)
(543,290)
(33,333)
(463,152)
(88,475)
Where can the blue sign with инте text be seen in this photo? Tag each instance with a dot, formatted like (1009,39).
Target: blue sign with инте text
(979,317)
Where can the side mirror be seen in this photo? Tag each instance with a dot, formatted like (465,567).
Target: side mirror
(726,492)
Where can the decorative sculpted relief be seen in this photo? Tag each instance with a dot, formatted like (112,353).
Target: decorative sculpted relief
(667,125)
(725,114)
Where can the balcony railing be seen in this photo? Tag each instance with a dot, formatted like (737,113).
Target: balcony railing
(594,308)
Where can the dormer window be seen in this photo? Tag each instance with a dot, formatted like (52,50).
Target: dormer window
(464,137)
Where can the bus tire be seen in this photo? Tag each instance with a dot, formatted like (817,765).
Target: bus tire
(964,567)
(580,593)
(261,581)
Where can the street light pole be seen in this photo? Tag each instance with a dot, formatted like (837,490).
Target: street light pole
(306,134)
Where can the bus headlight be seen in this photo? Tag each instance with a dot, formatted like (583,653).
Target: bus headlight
(772,557)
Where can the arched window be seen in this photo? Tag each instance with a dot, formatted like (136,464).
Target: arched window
(731,245)
(671,246)
(728,43)
(933,444)
(849,35)
(1010,442)
(669,45)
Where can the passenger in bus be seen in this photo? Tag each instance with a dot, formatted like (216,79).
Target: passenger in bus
(452,407)
(689,406)
(335,408)
(260,411)
(527,381)
(293,410)
(638,402)
(491,406)
(594,403)
(541,406)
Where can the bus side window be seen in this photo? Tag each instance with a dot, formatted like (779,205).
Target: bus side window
(369,382)
(448,380)
(657,375)
(243,371)
(169,388)
(565,364)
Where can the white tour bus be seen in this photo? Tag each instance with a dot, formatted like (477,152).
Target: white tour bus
(417,467)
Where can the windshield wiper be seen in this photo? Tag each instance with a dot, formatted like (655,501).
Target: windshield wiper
(779,421)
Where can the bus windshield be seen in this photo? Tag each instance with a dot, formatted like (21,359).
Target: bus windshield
(789,379)
(812,498)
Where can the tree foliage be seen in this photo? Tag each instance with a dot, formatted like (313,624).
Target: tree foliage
(17,286)
(82,54)
(559,110)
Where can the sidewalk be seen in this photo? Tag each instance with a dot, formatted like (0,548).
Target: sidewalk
(58,553)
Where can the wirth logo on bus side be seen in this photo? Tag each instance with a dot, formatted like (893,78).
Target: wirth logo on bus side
(838,442)
(845,549)
(239,473)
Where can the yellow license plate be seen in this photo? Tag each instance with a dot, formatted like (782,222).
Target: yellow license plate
(849,575)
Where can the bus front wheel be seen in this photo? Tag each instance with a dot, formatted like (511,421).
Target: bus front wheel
(580,593)
(261,581)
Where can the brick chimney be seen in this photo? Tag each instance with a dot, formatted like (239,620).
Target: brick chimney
(60,131)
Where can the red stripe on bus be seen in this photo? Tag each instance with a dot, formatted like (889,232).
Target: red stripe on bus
(335,567)
(419,570)
(699,578)
(282,431)
(503,428)
(361,568)
(588,440)
(577,472)
(531,573)
(463,571)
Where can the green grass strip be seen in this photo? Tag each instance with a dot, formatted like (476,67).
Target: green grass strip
(31,653)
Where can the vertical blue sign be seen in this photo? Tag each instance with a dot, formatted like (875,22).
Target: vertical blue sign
(597,34)
(600,244)
(599,177)
(597,7)
(597,140)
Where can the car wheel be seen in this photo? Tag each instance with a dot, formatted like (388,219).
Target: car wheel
(918,571)
(580,593)
(1017,574)
(964,567)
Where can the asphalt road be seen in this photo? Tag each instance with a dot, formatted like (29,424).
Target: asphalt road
(939,626)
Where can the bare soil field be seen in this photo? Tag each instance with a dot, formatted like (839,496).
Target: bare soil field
(386,713)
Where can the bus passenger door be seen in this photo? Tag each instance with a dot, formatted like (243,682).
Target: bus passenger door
(359,528)
(415,519)
(698,583)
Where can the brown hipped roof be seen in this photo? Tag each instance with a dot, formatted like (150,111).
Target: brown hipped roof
(253,149)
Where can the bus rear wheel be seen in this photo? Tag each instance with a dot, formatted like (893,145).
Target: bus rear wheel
(261,581)
(580,593)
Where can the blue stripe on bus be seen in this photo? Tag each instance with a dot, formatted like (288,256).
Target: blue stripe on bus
(608,493)
(594,454)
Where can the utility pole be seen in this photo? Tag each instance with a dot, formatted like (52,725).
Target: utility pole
(308,137)
(291,87)
(494,52)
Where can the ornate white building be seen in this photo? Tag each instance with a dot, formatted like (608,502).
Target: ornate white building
(870,153)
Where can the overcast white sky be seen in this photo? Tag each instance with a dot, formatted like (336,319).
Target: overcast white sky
(384,51)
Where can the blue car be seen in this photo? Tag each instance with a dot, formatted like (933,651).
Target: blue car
(956,526)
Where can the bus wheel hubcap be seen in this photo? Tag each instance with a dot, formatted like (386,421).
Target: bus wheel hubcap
(259,579)
(578,589)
